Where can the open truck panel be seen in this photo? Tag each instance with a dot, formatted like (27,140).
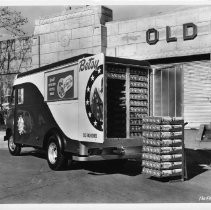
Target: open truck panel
(93,105)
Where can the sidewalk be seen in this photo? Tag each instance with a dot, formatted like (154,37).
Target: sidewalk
(3,144)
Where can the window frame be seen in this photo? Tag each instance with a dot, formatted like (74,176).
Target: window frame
(21,89)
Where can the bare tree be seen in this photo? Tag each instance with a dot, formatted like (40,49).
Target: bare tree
(14,53)
(12,21)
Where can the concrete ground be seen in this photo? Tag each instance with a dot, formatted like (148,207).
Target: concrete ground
(28,179)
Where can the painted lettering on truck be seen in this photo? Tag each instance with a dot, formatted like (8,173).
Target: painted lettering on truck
(88,64)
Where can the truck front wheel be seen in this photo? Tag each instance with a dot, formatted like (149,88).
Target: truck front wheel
(55,157)
(14,149)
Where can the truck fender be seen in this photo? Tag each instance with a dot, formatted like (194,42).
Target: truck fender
(59,136)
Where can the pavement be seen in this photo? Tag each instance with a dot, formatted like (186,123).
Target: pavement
(28,179)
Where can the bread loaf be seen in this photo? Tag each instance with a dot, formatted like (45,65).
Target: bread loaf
(160,158)
(162,173)
(163,120)
(164,142)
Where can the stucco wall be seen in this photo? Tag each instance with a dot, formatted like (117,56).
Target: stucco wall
(90,29)
(128,38)
(72,33)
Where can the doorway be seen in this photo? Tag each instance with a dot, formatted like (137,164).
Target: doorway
(168,91)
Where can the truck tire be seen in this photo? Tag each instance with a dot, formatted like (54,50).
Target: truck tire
(55,157)
(14,149)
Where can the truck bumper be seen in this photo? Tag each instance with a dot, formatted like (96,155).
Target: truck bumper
(118,153)
(106,157)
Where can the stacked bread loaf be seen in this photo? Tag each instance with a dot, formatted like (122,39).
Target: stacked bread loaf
(116,75)
(162,146)
(138,100)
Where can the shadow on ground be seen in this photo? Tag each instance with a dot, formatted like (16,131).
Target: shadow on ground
(198,161)
(130,168)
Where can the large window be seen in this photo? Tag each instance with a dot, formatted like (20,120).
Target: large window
(168,89)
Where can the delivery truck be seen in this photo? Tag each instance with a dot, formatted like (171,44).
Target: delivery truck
(85,108)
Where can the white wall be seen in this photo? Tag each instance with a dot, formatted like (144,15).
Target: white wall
(69,34)
(128,38)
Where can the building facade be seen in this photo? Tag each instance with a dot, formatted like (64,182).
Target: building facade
(176,44)
(76,31)
(178,47)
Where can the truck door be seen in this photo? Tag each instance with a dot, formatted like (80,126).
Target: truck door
(91,98)
(29,122)
(19,129)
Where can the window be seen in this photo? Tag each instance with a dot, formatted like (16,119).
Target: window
(168,91)
(20,96)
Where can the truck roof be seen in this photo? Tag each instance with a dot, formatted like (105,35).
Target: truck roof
(108,59)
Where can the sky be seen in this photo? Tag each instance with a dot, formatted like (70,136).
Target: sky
(122,9)
(120,12)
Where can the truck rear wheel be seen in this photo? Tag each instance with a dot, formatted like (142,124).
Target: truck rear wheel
(55,157)
(14,149)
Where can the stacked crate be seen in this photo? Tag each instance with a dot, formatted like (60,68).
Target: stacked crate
(138,83)
(163,146)
(130,100)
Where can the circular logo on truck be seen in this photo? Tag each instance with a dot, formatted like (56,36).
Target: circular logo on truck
(94,98)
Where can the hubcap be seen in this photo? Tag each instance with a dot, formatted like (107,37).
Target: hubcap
(12,145)
(52,153)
